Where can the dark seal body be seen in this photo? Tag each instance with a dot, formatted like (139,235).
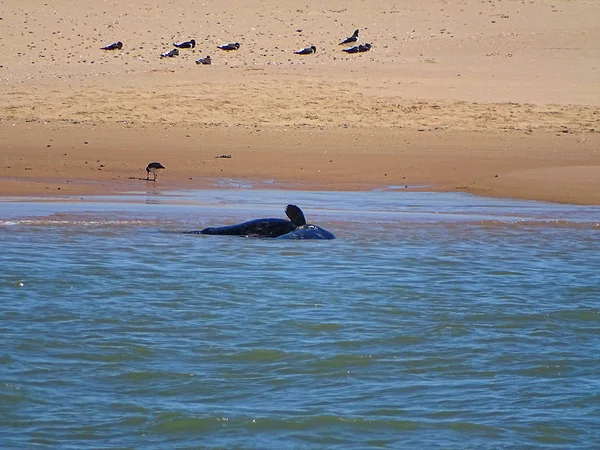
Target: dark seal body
(269,228)
(295,228)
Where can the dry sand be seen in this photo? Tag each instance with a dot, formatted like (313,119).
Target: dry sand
(498,98)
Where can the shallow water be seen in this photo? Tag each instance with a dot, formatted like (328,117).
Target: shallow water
(433,321)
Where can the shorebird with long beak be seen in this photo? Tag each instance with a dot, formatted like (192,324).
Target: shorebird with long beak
(153,167)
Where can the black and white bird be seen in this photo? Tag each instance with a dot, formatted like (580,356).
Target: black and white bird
(153,167)
(186,44)
(307,50)
(170,53)
(205,61)
(229,47)
(115,46)
(351,39)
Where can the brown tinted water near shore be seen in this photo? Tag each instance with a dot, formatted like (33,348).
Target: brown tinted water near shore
(497,99)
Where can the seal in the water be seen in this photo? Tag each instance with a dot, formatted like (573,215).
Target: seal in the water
(115,46)
(170,53)
(206,61)
(351,39)
(186,44)
(153,167)
(295,228)
(306,51)
(229,47)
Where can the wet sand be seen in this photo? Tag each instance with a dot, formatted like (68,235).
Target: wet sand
(496,99)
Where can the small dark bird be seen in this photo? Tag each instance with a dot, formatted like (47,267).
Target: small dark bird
(351,39)
(364,47)
(229,47)
(170,53)
(358,48)
(115,46)
(206,61)
(186,44)
(307,50)
(153,167)
(351,49)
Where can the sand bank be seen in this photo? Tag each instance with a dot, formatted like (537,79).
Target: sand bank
(493,98)
(76,159)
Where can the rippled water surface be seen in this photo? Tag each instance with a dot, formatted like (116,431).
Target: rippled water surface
(433,321)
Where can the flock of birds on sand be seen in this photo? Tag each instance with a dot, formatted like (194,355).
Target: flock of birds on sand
(155,167)
(232,47)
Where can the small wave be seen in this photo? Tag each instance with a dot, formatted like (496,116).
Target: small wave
(180,423)
(45,222)
(539,223)
(149,376)
(259,355)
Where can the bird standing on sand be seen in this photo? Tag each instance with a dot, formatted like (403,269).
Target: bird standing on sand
(186,44)
(153,167)
(115,46)
(351,39)
(229,47)
(306,51)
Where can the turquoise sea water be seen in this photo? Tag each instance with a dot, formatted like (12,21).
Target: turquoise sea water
(432,321)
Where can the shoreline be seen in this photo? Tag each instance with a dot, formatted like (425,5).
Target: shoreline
(110,159)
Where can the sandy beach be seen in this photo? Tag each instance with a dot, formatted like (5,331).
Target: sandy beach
(492,98)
